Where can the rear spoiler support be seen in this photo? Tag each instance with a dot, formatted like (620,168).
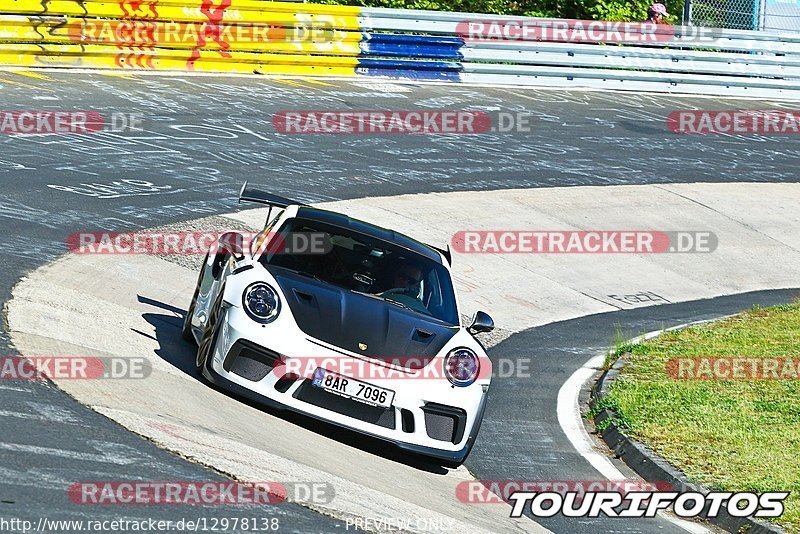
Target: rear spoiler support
(446,253)
(251,194)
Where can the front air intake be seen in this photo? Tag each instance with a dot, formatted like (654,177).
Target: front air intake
(250,361)
(444,423)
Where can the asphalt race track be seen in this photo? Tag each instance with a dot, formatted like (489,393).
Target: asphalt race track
(568,345)
(204,136)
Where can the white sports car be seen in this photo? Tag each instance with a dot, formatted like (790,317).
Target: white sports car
(346,322)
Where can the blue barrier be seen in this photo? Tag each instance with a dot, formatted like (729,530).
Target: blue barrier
(379,50)
(423,46)
(410,69)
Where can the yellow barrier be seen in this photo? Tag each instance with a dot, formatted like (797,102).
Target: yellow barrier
(159,59)
(227,11)
(186,35)
(203,35)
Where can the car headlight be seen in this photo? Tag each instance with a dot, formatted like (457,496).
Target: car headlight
(461,366)
(261,302)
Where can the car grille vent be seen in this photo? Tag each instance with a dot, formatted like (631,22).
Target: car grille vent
(407,419)
(250,361)
(444,423)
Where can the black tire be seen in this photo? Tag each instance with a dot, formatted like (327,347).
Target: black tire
(210,335)
(186,329)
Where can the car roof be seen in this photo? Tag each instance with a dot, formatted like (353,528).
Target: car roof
(362,227)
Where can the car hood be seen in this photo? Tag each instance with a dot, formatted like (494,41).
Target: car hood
(352,321)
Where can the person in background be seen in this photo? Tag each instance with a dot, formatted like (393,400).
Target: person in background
(657,14)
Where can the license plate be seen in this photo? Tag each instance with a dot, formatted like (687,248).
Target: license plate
(352,388)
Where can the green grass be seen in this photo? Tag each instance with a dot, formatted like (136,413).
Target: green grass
(736,435)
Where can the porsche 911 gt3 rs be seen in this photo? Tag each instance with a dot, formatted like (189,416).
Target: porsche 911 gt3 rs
(345,322)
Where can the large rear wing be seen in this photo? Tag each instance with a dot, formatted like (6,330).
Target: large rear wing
(251,194)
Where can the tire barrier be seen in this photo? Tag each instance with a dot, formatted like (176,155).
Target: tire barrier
(286,38)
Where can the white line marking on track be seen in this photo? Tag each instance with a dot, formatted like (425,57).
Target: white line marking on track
(571,422)
(569,417)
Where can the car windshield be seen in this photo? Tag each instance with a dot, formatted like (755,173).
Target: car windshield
(366,265)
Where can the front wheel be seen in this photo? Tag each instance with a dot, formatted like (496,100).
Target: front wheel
(186,329)
(210,334)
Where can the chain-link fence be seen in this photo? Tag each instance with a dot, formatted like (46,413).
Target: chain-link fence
(768,15)
(780,15)
(734,14)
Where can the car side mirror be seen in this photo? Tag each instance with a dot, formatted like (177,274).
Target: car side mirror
(233,243)
(481,323)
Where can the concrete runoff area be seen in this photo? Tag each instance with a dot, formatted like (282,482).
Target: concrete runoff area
(755,226)
(113,305)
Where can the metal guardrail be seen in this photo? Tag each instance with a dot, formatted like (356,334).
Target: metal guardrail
(693,60)
(307,39)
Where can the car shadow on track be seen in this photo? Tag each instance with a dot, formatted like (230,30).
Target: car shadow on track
(174,350)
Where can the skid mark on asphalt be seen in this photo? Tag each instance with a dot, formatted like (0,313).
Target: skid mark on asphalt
(72,455)
(31,74)
(294,83)
(43,412)
(318,82)
(13,388)
(25,85)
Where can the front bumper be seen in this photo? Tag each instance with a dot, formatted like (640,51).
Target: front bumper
(428,416)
